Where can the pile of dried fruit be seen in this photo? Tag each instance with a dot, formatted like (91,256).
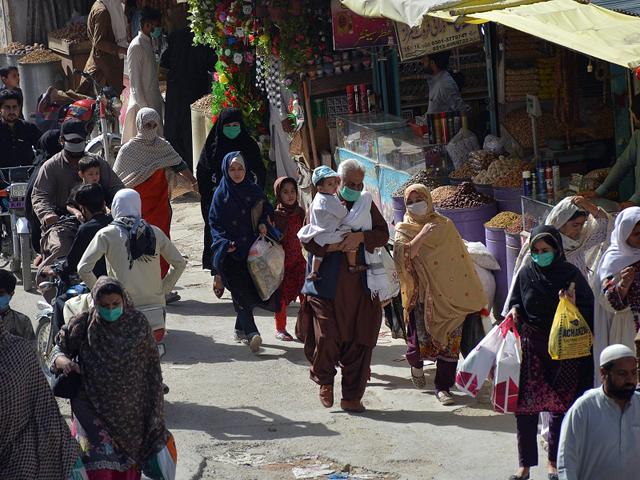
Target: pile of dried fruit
(465,196)
(421,177)
(517,226)
(498,169)
(478,161)
(518,124)
(204,103)
(441,193)
(504,220)
(16,48)
(40,56)
(514,177)
(74,33)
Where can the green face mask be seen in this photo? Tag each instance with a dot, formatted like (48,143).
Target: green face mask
(350,195)
(156,32)
(543,259)
(110,315)
(231,132)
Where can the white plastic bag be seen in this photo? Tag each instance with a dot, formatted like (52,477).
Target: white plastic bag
(382,277)
(463,143)
(476,367)
(266,266)
(506,381)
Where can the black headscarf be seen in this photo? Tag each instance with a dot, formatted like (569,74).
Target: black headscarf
(536,292)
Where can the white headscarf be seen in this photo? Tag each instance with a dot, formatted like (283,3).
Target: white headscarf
(620,255)
(145,153)
(126,203)
(118,21)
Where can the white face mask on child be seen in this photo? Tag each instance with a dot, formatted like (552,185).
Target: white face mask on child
(419,208)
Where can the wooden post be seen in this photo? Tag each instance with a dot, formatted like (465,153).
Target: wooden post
(307,103)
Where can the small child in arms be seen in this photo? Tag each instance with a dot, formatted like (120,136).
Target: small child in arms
(89,173)
(326,216)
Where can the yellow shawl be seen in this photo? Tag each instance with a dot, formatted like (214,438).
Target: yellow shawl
(442,275)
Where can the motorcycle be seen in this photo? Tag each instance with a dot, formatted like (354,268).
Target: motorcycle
(17,232)
(106,116)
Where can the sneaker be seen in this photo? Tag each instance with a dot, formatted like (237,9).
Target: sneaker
(445,398)
(240,337)
(255,343)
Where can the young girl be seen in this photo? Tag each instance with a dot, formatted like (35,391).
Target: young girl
(289,217)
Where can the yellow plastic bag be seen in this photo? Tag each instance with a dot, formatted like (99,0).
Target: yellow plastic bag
(570,335)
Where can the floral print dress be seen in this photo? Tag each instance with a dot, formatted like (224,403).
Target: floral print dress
(295,265)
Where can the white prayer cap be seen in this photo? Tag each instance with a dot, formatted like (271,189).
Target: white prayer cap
(614,352)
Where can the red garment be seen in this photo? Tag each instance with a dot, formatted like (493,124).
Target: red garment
(154,193)
(295,266)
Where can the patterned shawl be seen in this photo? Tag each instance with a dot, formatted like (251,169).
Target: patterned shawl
(35,441)
(121,374)
(144,154)
(441,276)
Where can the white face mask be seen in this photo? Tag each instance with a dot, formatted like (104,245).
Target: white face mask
(418,208)
(75,148)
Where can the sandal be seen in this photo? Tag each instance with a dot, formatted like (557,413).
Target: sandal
(445,398)
(283,335)
(518,477)
(171,297)
(314,277)
(357,268)
(418,381)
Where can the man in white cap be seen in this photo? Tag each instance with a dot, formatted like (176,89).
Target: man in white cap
(600,435)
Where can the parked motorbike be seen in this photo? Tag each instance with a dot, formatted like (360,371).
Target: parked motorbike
(15,233)
(107,118)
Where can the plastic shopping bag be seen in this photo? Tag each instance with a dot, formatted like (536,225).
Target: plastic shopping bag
(162,466)
(476,366)
(266,266)
(506,379)
(382,277)
(570,335)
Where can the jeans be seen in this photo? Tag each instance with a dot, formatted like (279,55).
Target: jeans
(246,323)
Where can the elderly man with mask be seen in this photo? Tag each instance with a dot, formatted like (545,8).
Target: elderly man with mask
(600,436)
(339,319)
(56,178)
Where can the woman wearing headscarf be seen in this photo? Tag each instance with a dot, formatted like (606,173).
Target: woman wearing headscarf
(141,164)
(546,385)
(118,413)
(620,273)
(132,249)
(228,134)
(240,211)
(289,217)
(440,287)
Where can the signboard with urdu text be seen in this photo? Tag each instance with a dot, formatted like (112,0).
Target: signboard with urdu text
(433,36)
(350,30)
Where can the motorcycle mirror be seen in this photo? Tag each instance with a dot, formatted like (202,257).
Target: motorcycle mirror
(44,286)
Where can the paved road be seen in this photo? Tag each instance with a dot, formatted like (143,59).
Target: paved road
(236,415)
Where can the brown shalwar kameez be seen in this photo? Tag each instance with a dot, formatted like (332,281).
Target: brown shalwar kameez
(344,330)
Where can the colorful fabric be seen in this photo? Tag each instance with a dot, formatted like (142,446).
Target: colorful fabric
(441,276)
(35,442)
(130,406)
(162,466)
(146,153)
(632,299)
(430,350)
(295,265)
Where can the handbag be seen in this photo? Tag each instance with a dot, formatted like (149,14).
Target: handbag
(66,387)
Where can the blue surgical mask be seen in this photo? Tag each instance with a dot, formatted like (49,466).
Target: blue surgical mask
(543,259)
(4,301)
(110,315)
(156,32)
(350,195)
(231,131)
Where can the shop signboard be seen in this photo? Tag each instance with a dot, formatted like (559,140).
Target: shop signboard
(350,30)
(434,36)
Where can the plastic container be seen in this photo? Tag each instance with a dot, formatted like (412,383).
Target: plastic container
(36,78)
(12,59)
(457,181)
(513,244)
(399,209)
(485,188)
(495,242)
(508,199)
(419,130)
(470,221)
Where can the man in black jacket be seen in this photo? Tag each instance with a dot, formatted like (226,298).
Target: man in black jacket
(18,138)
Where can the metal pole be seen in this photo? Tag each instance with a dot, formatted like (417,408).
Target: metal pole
(491,101)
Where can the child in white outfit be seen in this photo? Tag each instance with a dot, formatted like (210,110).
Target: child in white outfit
(326,216)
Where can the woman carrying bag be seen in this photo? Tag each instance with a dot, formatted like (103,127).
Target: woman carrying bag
(240,212)
(546,385)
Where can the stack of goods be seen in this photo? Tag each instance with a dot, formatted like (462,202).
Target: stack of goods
(441,193)
(505,220)
(203,103)
(16,48)
(516,227)
(520,44)
(518,124)
(498,169)
(465,196)
(595,178)
(74,33)
(520,82)
(423,178)
(478,160)
(546,77)
(40,56)
(514,177)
